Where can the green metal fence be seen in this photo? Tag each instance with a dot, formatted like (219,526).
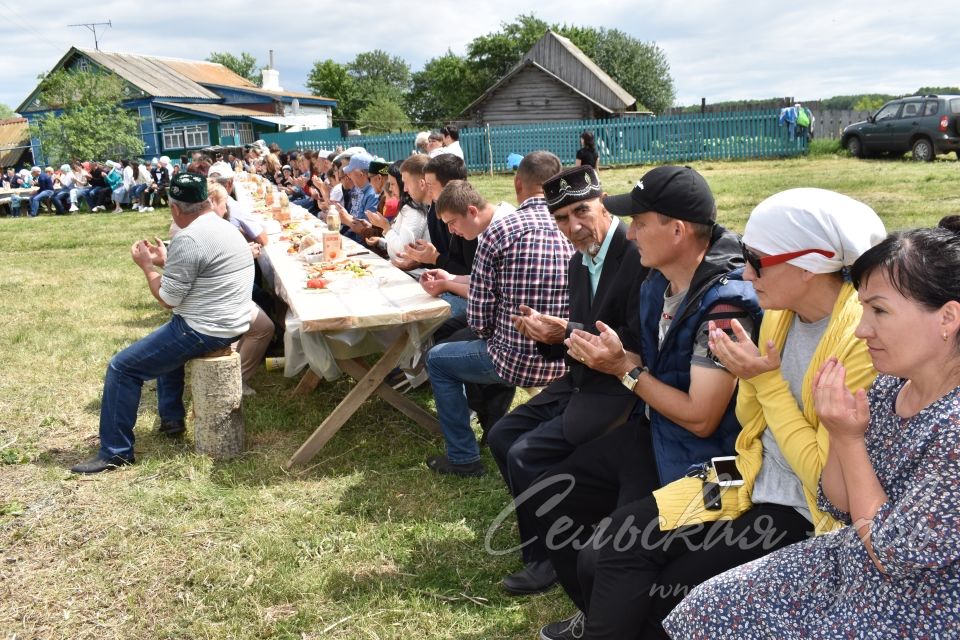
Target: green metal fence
(621,141)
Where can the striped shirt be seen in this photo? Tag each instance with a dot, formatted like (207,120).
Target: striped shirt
(521,259)
(208,278)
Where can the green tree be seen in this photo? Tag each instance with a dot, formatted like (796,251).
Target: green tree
(441,90)
(245,66)
(89,121)
(332,80)
(5,112)
(937,91)
(377,73)
(870,102)
(639,67)
(493,55)
(383,115)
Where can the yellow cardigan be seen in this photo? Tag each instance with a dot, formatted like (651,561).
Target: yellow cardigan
(765,400)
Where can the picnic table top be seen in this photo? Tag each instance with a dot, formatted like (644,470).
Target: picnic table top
(385,297)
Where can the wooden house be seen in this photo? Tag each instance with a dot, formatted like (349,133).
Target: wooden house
(554,81)
(191,104)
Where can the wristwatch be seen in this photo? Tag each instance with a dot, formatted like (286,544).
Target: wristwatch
(630,378)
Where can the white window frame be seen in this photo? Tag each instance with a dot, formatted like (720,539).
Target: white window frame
(228,129)
(196,135)
(245,133)
(173,138)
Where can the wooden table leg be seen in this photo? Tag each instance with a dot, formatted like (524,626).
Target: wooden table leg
(357,368)
(308,383)
(364,388)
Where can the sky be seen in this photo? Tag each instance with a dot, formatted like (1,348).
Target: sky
(716,49)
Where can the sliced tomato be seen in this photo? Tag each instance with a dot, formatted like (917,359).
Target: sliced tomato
(316,283)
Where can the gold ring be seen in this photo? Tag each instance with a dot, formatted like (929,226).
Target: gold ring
(583,359)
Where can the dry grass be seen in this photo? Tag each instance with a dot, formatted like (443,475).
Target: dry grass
(364,543)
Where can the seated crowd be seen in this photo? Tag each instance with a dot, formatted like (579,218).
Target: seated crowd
(727,436)
(96,185)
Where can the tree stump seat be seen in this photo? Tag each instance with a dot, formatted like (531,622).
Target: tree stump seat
(217,404)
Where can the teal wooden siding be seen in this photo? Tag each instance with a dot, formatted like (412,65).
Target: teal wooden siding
(622,141)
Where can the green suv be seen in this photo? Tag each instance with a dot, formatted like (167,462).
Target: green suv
(925,125)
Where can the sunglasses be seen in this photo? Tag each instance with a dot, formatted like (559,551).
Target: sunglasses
(758,262)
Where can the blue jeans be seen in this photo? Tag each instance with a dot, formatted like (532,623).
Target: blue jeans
(160,355)
(450,365)
(36,200)
(458,305)
(136,192)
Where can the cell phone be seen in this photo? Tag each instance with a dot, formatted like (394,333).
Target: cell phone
(727,473)
(711,496)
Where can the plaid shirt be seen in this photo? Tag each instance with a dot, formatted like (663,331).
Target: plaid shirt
(521,259)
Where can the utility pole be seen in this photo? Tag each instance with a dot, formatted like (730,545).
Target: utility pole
(92,26)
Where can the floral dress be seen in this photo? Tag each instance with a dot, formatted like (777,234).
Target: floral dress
(828,587)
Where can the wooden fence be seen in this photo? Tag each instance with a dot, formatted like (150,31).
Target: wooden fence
(623,141)
(830,122)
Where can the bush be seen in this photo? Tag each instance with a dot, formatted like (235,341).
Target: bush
(825,147)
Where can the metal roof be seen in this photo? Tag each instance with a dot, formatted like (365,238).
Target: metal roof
(203,72)
(216,110)
(14,140)
(155,76)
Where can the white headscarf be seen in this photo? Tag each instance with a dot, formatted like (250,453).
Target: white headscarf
(808,218)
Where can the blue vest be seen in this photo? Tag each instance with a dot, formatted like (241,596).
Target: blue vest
(674,447)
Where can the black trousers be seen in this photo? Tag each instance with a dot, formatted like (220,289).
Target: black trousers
(630,584)
(600,476)
(526,443)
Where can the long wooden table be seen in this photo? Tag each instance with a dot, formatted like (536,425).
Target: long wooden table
(387,299)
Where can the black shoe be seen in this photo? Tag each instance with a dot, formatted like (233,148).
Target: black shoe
(171,428)
(568,629)
(535,577)
(441,464)
(97,464)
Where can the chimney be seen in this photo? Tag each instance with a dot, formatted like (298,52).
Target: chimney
(271,77)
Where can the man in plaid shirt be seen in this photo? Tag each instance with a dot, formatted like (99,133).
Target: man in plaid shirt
(521,259)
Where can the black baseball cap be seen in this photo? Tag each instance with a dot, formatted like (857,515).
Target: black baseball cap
(677,192)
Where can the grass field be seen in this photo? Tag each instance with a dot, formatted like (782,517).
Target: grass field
(363,543)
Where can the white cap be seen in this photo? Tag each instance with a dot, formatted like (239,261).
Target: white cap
(220,169)
(65,167)
(155,161)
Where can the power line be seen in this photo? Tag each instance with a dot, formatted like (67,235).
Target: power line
(19,18)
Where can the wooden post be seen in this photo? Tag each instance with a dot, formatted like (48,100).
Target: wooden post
(217,406)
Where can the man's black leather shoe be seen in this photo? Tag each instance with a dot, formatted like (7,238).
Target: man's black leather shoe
(172,428)
(442,464)
(97,464)
(535,577)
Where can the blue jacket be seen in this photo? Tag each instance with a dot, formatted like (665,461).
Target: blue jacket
(718,279)
(44,182)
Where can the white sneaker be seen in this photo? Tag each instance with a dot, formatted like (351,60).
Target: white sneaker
(96,209)
(149,209)
(74,208)
(136,207)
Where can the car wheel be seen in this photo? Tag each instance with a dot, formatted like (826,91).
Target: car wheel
(923,150)
(855,147)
